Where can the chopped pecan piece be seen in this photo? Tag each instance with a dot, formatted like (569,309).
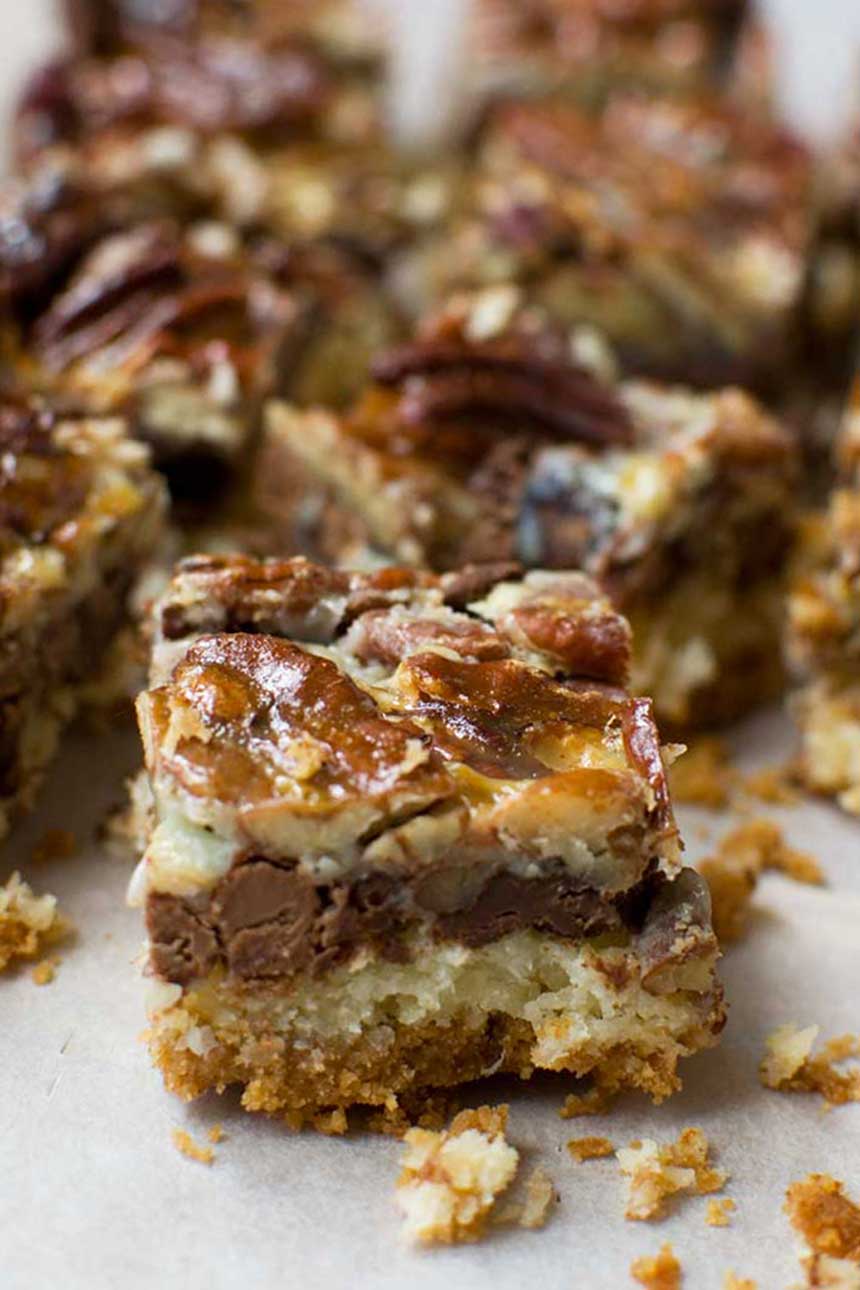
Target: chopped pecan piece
(449,378)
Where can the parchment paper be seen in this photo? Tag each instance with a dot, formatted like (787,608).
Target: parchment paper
(93,1193)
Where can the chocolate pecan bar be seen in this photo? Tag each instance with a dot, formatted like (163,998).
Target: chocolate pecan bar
(407,830)
(185,329)
(679,227)
(494,436)
(80,514)
(824,636)
(589,46)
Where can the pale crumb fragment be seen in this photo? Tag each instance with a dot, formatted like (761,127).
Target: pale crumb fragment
(28,923)
(704,775)
(185,1143)
(828,1221)
(216,1134)
(452,1179)
(590,1148)
(790,1066)
(540,1195)
(733,871)
(719,1211)
(43,973)
(661,1272)
(54,844)
(654,1173)
(733,1282)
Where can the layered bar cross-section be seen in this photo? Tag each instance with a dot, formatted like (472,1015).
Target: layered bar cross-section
(405,831)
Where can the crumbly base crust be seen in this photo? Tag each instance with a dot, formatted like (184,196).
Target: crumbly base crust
(218,1034)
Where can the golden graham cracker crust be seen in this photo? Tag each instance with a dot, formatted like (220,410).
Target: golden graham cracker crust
(404,1048)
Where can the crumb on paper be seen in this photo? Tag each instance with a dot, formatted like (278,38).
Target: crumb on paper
(185,1143)
(44,972)
(451,1179)
(734,869)
(734,1282)
(775,785)
(594,1101)
(216,1134)
(658,1272)
(704,775)
(829,1223)
(719,1212)
(790,1066)
(654,1173)
(590,1148)
(533,1212)
(54,844)
(28,923)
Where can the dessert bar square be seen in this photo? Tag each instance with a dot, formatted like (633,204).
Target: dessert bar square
(680,227)
(80,515)
(824,631)
(405,831)
(186,329)
(587,47)
(497,434)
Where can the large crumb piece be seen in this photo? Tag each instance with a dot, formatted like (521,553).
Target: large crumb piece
(790,1066)
(661,1272)
(654,1173)
(733,1282)
(719,1212)
(451,1180)
(733,871)
(825,1217)
(185,1143)
(28,923)
(704,775)
(590,1148)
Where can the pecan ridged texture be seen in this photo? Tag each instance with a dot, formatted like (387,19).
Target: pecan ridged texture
(510,378)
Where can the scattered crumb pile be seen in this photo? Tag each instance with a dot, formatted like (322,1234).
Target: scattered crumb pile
(28,923)
(185,1143)
(654,1173)
(594,1101)
(719,1211)
(829,1223)
(733,871)
(733,1282)
(590,1148)
(54,844)
(790,1066)
(704,776)
(452,1179)
(662,1272)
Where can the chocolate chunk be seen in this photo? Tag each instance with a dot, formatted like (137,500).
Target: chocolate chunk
(184,944)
